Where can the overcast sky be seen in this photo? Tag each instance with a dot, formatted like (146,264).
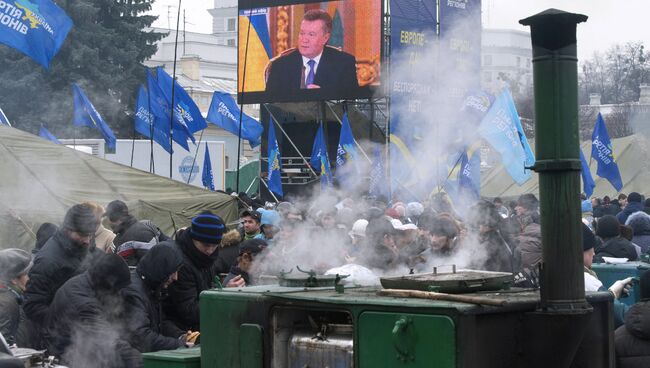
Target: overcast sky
(609,21)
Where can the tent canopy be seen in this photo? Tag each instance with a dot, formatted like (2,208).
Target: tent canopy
(41,180)
(631,154)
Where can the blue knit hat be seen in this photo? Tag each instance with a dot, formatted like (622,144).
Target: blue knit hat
(207,227)
(586,206)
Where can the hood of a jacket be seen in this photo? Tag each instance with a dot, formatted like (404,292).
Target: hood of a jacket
(618,247)
(198,259)
(637,320)
(633,207)
(640,223)
(127,221)
(158,264)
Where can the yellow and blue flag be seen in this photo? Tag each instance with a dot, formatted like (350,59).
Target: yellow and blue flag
(587,180)
(207,178)
(501,127)
(257,53)
(3,118)
(185,108)
(44,133)
(224,113)
(320,160)
(145,122)
(603,153)
(275,163)
(161,110)
(37,28)
(85,114)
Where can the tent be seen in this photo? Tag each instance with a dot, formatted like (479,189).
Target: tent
(41,180)
(631,153)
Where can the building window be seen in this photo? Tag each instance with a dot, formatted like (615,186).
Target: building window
(231,24)
(230,42)
(487,59)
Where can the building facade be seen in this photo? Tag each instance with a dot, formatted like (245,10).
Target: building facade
(506,59)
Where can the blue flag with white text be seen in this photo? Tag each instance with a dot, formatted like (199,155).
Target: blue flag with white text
(159,107)
(85,114)
(501,127)
(145,122)
(184,106)
(347,168)
(587,180)
(469,175)
(378,184)
(319,158)
(224,113)
(3,118)
(44,133)
(207,178)
(37,28)
(275,163)
(603,153)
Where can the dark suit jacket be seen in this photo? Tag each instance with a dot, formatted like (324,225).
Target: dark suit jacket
(336,75)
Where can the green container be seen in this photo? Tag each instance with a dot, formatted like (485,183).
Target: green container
(180,358)
(610,273)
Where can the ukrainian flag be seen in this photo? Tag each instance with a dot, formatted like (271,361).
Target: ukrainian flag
(259,52)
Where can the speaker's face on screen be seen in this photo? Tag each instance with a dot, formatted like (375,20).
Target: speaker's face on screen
(312,38)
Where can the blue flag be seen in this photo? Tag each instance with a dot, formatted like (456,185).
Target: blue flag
(145,122)
(346,150)
(3,118)
(224,113)
(469,175)
(275,163)
(159,107)
(208,180)
(185,108)
(603,153)
(377,184)
(44,133)
(37,28)
(85,114)
(319,158)
(501,127)
(587,180)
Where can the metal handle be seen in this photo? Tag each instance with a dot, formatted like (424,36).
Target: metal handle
(402,341)
(473,283)
(453,268)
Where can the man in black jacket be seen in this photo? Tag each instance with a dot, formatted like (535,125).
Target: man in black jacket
(198,245)
(150,329)
(84,326)
(633,339)
(67,253)
(127,228)
(313,65)
(614,245)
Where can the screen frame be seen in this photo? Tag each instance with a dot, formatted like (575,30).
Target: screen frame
(310,95)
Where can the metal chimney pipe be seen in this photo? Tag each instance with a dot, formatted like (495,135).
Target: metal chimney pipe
(557,144)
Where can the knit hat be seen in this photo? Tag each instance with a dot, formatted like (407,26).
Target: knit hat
(207,227)
(528,201)
(14,262)
(110,272)
(414,209)
(43,234)
(252,246)
(588,238)
(586,206)
(80,218)
(116,210)
(392,213)
(158,264)
(608,227)
(644,286)
(359,228)
(270,217)
(635,197)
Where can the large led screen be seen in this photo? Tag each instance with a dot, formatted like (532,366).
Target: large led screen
(307,51)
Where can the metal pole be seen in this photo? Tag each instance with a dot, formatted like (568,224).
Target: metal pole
(171,116)
(355,141)
(241,105)
(195,153)
(290,141)
(270,191)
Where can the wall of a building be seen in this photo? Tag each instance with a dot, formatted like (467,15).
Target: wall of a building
(507,52)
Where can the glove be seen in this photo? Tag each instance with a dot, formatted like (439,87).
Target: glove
(621,287)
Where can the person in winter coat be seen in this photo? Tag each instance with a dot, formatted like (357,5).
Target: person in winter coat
(380,249)
(66,254)
(248,249)
(84,327)
(609,230)
(634,204)
(14,268)
(485,220)
(199,247)
(103,236)
(528,252)
(640,224)
(632,340)
(43,234)
(150,329)
(128,228)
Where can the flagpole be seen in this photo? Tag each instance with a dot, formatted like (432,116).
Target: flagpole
(152,166)
(290,141)
(355,141)
(195,153)
(270,191)
(133,143)
(171,117)
(241,108)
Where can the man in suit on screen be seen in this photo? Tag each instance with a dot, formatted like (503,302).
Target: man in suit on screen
(313,64)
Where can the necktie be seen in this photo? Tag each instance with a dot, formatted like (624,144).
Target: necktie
(310,75)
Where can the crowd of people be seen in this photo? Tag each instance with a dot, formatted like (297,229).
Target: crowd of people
(105,286)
